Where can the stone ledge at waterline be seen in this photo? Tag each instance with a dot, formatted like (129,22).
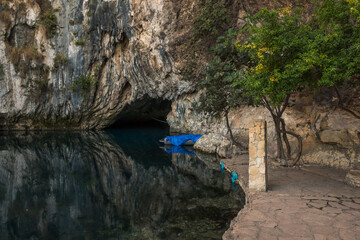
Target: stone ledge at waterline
(214,143)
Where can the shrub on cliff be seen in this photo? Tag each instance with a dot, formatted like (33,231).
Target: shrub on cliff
(211,19)
(85,82)
(47,18)
(49,21)
(60,59)
(219,96)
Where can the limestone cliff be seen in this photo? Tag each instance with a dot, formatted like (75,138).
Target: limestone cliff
(86,64)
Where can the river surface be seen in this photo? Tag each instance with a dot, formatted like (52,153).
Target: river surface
(115,184)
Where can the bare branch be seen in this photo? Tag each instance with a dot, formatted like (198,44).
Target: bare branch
(230,130)
(285,104)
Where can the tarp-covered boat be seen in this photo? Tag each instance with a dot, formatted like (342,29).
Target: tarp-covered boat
(187,140)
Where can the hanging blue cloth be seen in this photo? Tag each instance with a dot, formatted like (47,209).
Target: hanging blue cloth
(181,139)
(234,176)
(179,149)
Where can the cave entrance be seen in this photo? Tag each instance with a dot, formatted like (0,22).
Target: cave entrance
(147,112)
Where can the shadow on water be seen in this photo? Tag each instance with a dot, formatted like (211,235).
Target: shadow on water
(115,184)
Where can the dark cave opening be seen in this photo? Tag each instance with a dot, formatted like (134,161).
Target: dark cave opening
(147,112)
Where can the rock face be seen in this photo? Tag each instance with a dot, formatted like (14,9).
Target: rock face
(100,61)
(331,137)
(353,178)
(214,143)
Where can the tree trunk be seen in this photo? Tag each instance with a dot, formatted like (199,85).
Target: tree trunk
(281,132)
(341,104)
(280,148)
(286,140)
(230,131)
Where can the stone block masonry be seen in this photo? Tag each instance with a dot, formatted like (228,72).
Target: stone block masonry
(257,156)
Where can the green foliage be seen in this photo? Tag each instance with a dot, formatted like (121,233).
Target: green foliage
(276,48)
(288,53)
(355,8)
(219,95)
(49,21)
(80,42)
(336,43)
(211,19)
(48,18)
(59,60)
(86,82)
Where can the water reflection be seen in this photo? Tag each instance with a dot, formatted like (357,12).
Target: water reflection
(109,185)
(178,149)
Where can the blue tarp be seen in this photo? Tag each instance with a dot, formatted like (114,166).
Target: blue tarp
(179,149)
(181,139)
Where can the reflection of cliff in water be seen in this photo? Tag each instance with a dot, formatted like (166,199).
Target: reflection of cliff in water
(84,186)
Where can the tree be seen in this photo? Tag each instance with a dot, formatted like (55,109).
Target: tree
(278,67)
(286,53)
(337,41)
(289,53)
(219,96)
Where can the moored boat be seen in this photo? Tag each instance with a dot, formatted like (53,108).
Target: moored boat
(181,140)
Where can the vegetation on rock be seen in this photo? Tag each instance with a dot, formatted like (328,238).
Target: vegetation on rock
(48,18)
(80,42)
(49,21)
(86,82)
(220,96)
(211,19)
(22,57)
(60,60)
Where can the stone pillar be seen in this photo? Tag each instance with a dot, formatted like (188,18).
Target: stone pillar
(257,156)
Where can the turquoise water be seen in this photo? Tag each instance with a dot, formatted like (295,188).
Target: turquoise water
(115,184)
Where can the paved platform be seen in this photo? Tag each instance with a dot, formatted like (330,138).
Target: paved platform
(302,203)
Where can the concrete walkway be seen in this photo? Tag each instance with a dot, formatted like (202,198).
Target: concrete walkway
(303,203)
